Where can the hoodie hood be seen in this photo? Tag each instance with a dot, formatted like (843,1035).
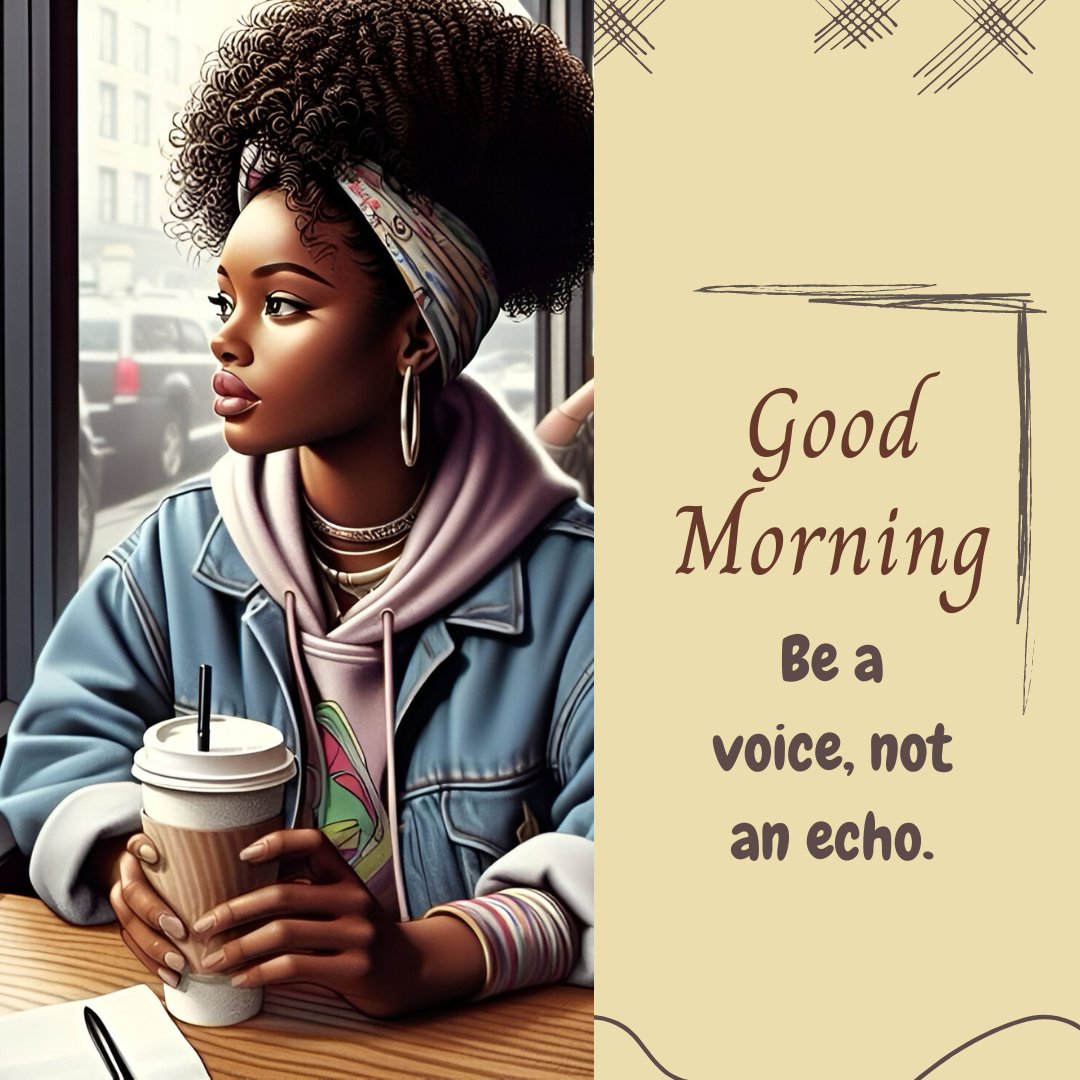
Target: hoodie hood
(490,489)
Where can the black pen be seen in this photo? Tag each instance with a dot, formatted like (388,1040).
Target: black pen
(105,1046)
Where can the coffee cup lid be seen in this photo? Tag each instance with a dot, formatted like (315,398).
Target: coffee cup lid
(244,755)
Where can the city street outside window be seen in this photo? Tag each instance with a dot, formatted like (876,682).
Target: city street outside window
(132,276)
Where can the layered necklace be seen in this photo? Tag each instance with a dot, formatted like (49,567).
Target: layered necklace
(361,582)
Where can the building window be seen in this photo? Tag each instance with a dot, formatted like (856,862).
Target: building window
(142,118)
(107,110)
(107,195)
(107,40)
(142,48)
(141,199)
(172,59)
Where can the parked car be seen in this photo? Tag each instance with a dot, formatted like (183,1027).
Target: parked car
(146,368)
(90,461)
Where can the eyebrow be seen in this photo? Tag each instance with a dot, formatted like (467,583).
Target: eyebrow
(278,267)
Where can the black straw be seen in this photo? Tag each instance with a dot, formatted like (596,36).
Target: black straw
(206,675)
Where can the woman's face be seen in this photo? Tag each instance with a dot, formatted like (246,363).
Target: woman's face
(305,357)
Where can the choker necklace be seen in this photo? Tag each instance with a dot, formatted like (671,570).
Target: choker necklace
(367,535)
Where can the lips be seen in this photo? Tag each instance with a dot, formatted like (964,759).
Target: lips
(233,397)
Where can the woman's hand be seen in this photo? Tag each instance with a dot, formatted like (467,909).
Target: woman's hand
(562,423)
(321,925)
(148,926)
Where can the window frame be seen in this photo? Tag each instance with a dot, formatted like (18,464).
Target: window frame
(38,312)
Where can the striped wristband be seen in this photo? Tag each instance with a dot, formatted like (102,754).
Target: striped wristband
(527,936)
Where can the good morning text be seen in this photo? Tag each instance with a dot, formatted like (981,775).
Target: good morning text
(774,437)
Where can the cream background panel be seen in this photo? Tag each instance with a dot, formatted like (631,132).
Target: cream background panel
(744,158)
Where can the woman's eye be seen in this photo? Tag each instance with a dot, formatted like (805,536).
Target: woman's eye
(223,304)
(284,305)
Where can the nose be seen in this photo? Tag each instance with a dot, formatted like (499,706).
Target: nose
(230,345)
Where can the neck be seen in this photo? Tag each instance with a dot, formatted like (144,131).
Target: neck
(360,479)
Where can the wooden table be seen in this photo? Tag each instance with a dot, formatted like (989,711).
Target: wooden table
(306,1033)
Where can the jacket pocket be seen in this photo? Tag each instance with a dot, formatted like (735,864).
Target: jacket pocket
(484,821)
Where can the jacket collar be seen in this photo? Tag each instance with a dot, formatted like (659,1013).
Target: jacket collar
(496,605)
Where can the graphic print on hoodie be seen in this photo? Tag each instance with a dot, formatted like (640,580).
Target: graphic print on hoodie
(350,811)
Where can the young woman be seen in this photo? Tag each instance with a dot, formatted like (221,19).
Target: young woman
(382,566)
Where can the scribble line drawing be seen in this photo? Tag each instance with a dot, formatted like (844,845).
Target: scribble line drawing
(916,297)
(852,22)
(994,25)
(1027,499)
(618,26)
(633,1035)
(993,1031)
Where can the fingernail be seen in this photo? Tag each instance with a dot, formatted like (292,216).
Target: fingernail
(172,926)
(203,923)
(239,980)
(175,961)
(147,854)
(170,977)
(253,851)
(214,958)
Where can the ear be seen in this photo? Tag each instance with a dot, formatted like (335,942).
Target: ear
(418,348)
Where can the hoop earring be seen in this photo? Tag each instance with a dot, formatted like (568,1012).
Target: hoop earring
(410,432)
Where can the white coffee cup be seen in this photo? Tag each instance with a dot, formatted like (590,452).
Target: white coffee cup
(201,808)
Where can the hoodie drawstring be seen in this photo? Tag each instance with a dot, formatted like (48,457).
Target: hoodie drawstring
(391,765)
(310,793)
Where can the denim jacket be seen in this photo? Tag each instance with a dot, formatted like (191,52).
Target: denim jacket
(494,733)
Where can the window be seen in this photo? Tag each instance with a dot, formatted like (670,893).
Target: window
(107,110)
(142,118)
(99,335)
(140,198)
(40,411)
(154,333)
(141,40)
(172,59)
(107,38)
(192,338)
(106,195)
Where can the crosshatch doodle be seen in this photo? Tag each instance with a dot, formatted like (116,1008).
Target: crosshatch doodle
(836,572)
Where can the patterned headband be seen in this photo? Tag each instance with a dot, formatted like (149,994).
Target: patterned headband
(439,256)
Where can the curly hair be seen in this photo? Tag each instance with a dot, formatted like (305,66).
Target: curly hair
(481,111)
